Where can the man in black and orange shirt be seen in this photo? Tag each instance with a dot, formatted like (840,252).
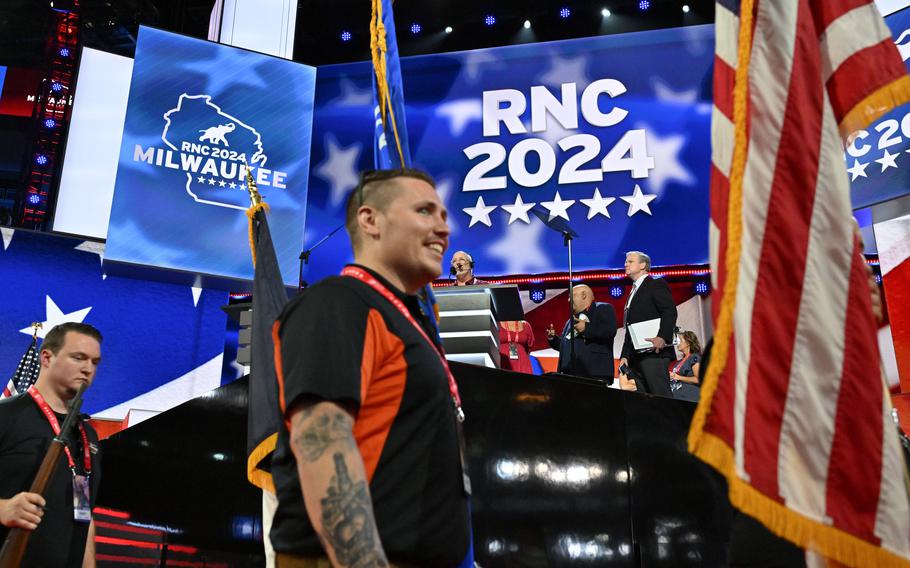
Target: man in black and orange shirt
(369,462)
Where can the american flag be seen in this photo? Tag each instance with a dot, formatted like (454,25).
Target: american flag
(794,411)
(26,373)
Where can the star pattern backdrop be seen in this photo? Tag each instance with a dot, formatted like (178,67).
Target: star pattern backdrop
(154,333)
(664,211)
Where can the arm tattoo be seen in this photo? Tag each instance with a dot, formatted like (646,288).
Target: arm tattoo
(347,519)
(313,435)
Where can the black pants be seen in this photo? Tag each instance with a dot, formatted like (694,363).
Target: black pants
(652,375)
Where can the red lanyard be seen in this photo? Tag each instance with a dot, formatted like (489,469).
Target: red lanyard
(55,426)
(368,279)
(517,333)
(680,364)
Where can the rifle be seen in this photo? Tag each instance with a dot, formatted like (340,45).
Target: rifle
(17,538)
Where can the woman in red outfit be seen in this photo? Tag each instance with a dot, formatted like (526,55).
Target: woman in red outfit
(515,341)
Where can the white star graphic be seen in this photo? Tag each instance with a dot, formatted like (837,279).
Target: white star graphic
(231,72)
(211,181)
(94,248)
(197,291)
(638,201)
(352,96)
(477,61)
(518,210)
(339,168)
(666,94)
(520,249)
(667,166)
(55,316)
(887,160)
(558,207)
(222,183)
(597,205)
(480,213)
(232,185)
(566,70)
(858,170)
(459,113)
(7,235)
(200,179)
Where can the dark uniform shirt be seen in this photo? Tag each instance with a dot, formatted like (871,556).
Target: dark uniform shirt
(25,434)
(342,341)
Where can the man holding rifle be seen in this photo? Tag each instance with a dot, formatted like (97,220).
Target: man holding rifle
(63,534)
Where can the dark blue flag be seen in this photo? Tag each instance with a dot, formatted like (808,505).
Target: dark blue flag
(269,298)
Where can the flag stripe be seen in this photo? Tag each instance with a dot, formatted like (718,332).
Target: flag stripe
(853,485)
(849,34)
(726,37)
(771,65)
(808,422)
(828,12)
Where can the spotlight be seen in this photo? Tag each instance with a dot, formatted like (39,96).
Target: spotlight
(345,36)
(537,294)
(64,52)
(701,288)
(564,13)
(448,29)
(415,28)
(685,8)
(56,87)
(490,20)
(50,123)
(41,159)
(644,5)
(605,13)
(527,24)
(34,199)
(616,291)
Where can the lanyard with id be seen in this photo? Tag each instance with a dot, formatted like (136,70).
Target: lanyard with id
(376,285)
(82,510)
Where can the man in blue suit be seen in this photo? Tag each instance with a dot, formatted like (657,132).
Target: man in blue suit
(592,330)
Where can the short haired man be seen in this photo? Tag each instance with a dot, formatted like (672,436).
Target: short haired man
(369,464)
(462,268)
(63,532)
(649,299)
(594,327)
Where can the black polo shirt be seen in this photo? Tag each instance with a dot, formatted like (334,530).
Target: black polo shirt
(25,435)
(342,341)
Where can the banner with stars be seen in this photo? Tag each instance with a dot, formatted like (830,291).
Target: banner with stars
(163,343)
(609,134)
(198,112)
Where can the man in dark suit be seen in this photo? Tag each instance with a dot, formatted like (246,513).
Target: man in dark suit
(649,299)
(594,327)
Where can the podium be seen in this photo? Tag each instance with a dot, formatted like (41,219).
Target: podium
(469,319)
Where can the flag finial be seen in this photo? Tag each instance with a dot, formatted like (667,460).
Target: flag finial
(255,197)
(36,325)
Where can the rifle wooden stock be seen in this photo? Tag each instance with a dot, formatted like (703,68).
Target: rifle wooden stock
(17,538)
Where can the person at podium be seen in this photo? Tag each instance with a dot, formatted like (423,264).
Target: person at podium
(462,268)
(650,299)
(592,330)
(371,412)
